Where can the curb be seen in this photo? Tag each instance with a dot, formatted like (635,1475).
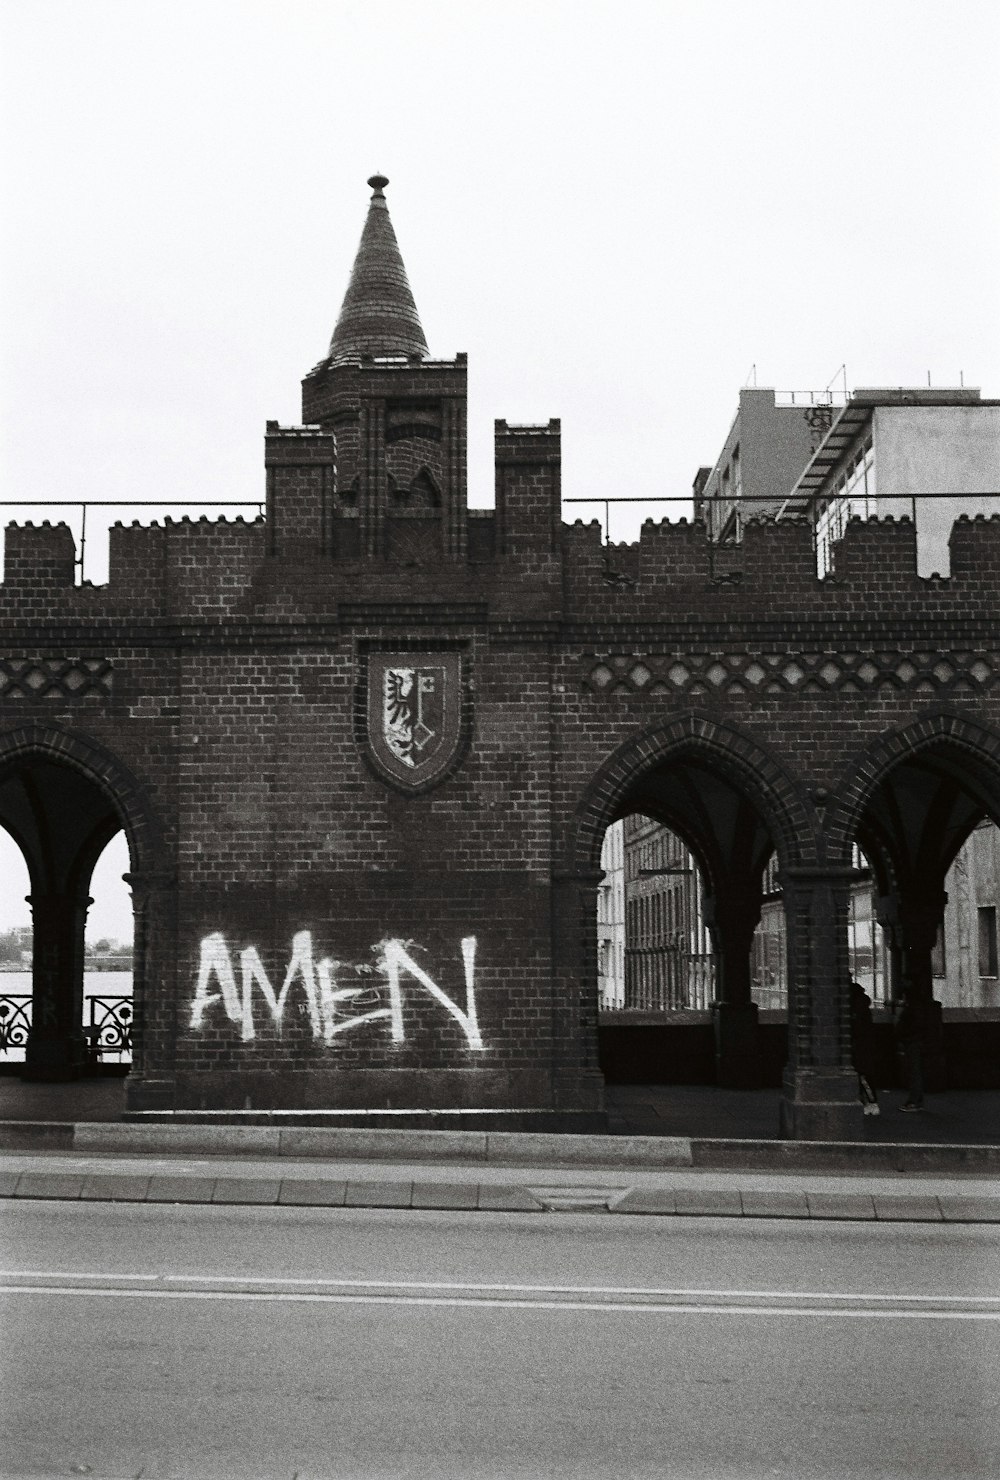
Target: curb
(329,1192)
(497,1148)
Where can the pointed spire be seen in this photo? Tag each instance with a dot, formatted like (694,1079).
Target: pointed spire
(378,315)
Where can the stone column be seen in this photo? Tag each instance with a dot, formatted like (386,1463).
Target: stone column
(820,1095)
(732,916)
(151,1084)
(57,1046)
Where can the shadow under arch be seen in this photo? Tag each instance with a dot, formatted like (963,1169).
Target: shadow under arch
(95,763)
(734,755)
(732,803)
(912,799)
(951,743)
(63,796)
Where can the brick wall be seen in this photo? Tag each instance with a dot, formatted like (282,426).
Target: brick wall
(236,652)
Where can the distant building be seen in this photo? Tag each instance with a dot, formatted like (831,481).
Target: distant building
(668,953)
(965,959)
(772,438)
(925,455)
(611,921)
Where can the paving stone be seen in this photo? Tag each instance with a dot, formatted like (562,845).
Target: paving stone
(180,1189)
(654,1200)
(378,1194)
(251,1191)
(461,1196)
(840,1205)
(713,1202)
(107,1187)
(63,1185)
(498,1198)
(892,1208)
(970,1209)
(763,1203)
(312,1192)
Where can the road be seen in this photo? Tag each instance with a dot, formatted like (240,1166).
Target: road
(223,1342)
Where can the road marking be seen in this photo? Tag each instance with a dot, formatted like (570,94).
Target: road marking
(658,1307)
(288,1290)
(292,1285)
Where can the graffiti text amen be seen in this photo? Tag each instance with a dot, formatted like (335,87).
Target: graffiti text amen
(324,1000)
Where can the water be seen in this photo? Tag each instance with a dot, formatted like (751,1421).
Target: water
(95,984)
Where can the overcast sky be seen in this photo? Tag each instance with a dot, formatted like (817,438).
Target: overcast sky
(617,209)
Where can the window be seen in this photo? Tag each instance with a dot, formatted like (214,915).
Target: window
(988,940)
(939,965)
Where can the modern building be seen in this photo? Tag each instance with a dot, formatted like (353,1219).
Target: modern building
(772,438)
(926,455)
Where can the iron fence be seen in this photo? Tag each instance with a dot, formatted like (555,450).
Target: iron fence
(667,979)
(107,1026)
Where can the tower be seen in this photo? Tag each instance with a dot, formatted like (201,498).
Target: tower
(397,417)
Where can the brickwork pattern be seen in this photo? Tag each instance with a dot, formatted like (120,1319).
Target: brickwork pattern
(229,742)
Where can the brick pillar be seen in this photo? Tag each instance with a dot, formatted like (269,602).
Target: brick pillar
(155,1025)
(57,1046)
(578,1081)
(732,916)
(820,1097)
(299,463)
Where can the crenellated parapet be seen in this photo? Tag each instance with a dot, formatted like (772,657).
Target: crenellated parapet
(520,559)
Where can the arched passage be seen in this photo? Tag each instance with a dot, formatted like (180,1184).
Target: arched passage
(733,805)
(914,805)
(62,799)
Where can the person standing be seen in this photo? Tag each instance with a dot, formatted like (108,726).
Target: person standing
(863,1047)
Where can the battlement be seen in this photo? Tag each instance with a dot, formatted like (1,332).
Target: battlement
(518,558)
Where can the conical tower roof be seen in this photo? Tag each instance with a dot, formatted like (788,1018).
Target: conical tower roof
(378,315)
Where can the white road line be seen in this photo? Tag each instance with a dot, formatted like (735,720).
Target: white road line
(439,1301)
(294,1283)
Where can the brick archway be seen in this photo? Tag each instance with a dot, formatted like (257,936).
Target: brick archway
(63,798)
(748,766)
(941,730)
(99,766)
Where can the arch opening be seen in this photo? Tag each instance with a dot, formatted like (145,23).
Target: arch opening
(63,834)
(679,905)
(930,824)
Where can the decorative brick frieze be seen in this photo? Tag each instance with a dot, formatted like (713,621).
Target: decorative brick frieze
(788,671)
(54,678)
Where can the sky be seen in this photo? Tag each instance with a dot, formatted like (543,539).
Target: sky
(622,212)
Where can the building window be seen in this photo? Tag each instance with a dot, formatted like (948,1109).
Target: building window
(988,940)
(939,966)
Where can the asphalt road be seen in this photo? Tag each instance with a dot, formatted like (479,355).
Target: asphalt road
(210,1342)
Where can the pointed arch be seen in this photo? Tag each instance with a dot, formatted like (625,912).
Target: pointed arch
(125,793)
(723,748)
(959,741)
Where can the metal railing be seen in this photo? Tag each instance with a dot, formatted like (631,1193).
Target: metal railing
(124,503)
(696,507)
(107,1026)
(666,979)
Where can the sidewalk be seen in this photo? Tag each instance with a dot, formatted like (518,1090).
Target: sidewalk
(268,1181)
(642,1168)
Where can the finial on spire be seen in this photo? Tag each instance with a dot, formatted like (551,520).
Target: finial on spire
(378,316)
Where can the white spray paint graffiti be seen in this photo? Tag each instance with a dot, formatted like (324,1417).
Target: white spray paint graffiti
(324,1001)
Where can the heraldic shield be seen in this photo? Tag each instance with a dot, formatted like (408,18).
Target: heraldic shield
(413,715)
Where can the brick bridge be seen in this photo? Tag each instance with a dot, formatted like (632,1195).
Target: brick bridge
(365,750)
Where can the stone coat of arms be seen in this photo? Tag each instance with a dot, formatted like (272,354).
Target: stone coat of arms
(413,714)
